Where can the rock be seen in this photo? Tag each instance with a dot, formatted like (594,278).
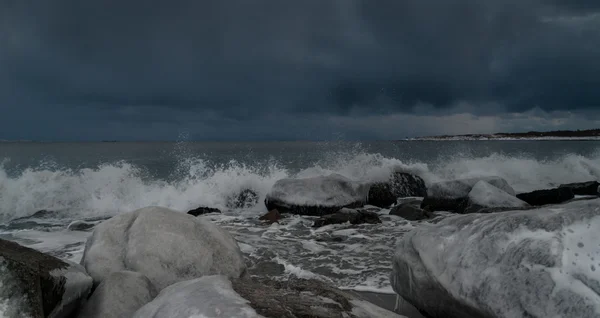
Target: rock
(216,296)
(410,211)
(536,263)
(450,195)
(271,217)
(203,210)
(244,200)
(549,196)
(348,215)
(41,214)
(583,188)
(37,285)
(380,195)
(486,196)
(401,185)
(165,245)
(316,196)
(80,226)
(120,295)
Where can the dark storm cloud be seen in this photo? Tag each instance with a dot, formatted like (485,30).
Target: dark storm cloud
(207,62)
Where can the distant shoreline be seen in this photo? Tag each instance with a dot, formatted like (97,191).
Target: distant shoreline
(591,134)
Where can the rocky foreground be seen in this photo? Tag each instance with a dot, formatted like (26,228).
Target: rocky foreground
(497,253)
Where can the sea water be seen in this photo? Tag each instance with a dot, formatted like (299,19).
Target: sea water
(94,181)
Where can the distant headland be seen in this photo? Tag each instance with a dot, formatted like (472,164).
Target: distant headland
(590,134)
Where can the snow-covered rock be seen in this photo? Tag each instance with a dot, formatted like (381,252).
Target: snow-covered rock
(207,297)
(216,296)
(317,195)
(450,195)
(165,245)
(536,263)
(120,295)
(486,196)
(33,284)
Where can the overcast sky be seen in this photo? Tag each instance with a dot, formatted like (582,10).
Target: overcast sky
(301,70)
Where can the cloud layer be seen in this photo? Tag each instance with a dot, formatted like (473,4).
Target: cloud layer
(136,69)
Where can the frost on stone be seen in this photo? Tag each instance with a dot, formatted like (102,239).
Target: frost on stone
(485,195)
(534,263)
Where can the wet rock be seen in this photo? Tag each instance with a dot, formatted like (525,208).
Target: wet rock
(244,200)
(348,215)
(401,185)
(549,196)
(486,197)
(410,211)
(451,195)
(121,294)
(316,196)
(271,216)
(165,245)
(203,210)
(37,285)
(380,195)
(583,188)
(41,214)
(80,226)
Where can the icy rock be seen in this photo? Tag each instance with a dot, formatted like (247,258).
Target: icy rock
(583,188)
(120,295)
(538,263)
(450,195)
(401,185)
(165,245)
(316,196)
(348,215)
(486,196)
(33,284)
(549,196)
(207,297)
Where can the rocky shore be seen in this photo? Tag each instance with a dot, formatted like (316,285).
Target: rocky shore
(478,249)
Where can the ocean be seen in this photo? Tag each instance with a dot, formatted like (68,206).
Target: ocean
(94,181)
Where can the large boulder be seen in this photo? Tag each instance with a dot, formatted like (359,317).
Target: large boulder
(548,196)
(120,295)
(485,196)
(165,245)
(216,296)
(537,263)
(36,285)
(348,216)
(450,195)
(400,185)
(317,195)
(583,188)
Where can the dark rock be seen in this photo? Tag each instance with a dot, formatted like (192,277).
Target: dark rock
(583,188)
(348,215)
(380,195)
(266,268)
(80,226)
(410,211)
(244,200)
(271,216)
(41,214)
(39,285)
(203,210)
(549,196)
(451,195)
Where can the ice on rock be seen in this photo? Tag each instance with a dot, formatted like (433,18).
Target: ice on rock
(535,263)
(316,195)
(206,297)
(485,195)
(165,245)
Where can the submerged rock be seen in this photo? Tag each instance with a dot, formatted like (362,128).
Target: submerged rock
(165,245)
(33,284)
(583,188)
(216,296)
(316,196)
(549,196)
(244,200)
(271,217)
(450,195)
(120,295)
(485,196)
(80,226)
(410,211)
(401,185)
(348,215)
(537,263)
(203,210)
